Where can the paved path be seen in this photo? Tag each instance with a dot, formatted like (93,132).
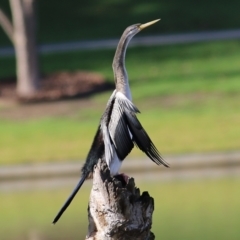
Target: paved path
(177,162)
(137,41)
(190,166)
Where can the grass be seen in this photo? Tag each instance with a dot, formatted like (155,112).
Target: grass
(197,210)
(64,139)
(93,19)
(202,209)
(45,140)
(33,212)
(189,96)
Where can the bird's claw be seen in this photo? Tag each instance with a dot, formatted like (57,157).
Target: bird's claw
(123,178)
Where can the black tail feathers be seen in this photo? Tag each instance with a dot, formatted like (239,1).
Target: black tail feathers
(70,198)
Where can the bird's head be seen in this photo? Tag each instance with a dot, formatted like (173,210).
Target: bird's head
(135,28)
(125,39)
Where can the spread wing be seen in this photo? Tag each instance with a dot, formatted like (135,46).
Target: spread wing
(118,127)
(115,130)
(142,140)
(121,130)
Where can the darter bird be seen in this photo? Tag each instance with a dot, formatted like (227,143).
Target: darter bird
(119,129)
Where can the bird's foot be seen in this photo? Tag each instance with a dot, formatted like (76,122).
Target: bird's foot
(123,178)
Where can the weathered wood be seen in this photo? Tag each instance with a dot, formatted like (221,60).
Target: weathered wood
(117,210)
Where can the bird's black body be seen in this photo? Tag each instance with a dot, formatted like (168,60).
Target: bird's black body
(119,129)
(96,152)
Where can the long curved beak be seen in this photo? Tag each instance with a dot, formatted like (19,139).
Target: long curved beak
(142,26)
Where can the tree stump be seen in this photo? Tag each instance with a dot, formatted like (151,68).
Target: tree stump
(117,210)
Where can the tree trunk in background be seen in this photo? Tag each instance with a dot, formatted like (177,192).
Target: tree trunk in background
(24,23)
(116,211)
(6,25)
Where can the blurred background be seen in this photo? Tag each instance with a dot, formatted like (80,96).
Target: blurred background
(185,78)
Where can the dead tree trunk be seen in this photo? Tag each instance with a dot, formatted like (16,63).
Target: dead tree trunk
(117,210)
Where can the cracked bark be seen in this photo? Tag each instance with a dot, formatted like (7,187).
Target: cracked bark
(117,210)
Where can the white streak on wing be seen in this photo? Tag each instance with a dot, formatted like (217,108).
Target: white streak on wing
(107,146)
(122,99)
(130,133)
(111,158)
(115,118)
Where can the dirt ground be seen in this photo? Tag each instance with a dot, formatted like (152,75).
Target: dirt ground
(60,94)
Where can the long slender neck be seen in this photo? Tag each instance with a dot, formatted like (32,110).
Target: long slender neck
(119,70)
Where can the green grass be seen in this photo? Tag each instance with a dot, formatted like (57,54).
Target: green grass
(197,210)
(189,96)
(203,209)
(45,140)
(197,130)
(33,212)
(64,21)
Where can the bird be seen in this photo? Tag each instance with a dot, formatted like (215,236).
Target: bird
(119,129)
